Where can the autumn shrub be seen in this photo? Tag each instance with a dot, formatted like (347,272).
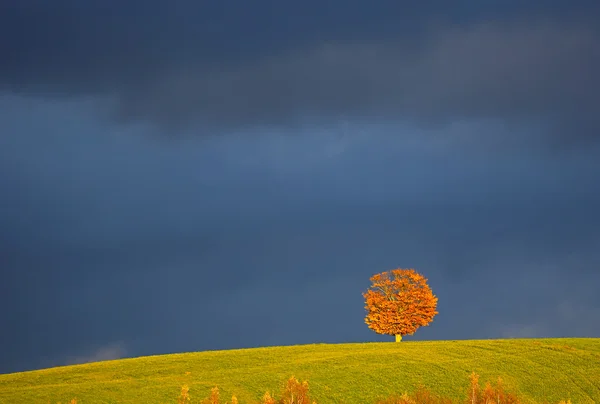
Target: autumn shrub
(395,399)
(474,395)
(267,399)
(184,396)
(293,392)
(213,398)
(490,394)
(421,396)
(296,392)
(496,394)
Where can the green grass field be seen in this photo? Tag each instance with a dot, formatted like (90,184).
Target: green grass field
(537,369)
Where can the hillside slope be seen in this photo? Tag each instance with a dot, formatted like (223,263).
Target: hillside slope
(552,369)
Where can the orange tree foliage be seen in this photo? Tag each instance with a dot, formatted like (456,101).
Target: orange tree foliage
(399,302)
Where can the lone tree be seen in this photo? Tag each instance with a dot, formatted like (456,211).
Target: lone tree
(399,302)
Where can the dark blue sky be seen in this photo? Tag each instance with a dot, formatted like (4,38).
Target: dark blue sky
(181,176)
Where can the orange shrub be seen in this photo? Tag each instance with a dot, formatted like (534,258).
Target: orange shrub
(295,392)
(267,399)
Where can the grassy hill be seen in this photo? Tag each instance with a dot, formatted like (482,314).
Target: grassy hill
(537,369)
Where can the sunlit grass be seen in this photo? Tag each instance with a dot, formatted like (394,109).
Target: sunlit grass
(535,369)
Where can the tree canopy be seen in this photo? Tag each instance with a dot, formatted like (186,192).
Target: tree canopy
(399,302)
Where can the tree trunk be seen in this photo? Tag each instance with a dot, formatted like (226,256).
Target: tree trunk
(398,337)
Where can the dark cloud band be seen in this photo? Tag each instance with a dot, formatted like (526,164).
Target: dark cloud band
(235,65)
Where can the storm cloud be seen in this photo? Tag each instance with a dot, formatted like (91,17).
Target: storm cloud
(522,73)
(209,69)
(340,139)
